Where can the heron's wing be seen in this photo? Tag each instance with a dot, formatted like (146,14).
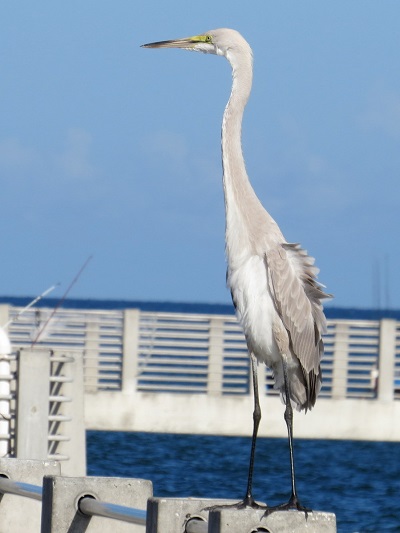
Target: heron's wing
(298,298)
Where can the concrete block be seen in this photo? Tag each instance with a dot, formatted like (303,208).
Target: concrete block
(170,515)
(61,495)
(228,520)
(27,471)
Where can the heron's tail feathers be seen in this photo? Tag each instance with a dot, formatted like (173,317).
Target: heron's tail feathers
(304,388)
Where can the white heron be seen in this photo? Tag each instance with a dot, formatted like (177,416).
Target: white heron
(273,282)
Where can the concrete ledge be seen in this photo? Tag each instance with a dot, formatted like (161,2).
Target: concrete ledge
(232,415)
(253,521)
(170,515)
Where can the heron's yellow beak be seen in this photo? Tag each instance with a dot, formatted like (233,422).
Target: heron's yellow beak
(187,42)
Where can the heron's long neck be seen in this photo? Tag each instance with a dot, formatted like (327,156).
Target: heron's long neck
(239,194)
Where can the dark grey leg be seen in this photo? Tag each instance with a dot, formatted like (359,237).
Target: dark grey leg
(289,424)
(248,500)
(293,502)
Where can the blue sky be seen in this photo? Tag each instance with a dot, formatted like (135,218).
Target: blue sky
(110,150)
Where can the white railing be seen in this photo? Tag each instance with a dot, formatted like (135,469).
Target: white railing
(95,334)
(397,364)
(203,354)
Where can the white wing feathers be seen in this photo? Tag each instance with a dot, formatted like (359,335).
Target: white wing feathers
(297,296)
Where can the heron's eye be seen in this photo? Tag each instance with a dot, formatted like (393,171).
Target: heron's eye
(208,39)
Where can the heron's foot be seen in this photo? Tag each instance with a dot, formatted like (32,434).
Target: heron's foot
(292,505)
(247,502)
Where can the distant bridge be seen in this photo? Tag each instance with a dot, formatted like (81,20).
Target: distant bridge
(189,373)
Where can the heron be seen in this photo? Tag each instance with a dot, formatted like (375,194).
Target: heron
(273,282)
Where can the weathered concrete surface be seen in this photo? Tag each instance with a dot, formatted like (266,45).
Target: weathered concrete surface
(33,404)
(253,521)
(232,415)
(27,471)
(61,496)
(170,515)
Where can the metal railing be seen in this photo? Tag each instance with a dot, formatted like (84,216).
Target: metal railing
(196,353)
(58,420)
(19,488)
(86,505)
(95,334)
(90,506)
(8,374)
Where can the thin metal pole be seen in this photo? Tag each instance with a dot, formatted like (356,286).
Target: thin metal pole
(91,507)
(7,486)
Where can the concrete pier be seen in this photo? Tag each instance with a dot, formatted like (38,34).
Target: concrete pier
(172,515)
(52,503)
(232,415)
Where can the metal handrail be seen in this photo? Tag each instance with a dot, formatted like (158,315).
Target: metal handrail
(87,505)
(7,486)
(91,507)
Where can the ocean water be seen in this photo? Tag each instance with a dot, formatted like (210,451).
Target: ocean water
(359,481)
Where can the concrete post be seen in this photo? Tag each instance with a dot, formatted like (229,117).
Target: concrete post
(4,314)
(23,515)
(32,404)
(130,350)
(216,356)
(61,496)
(387,355)
(171,515)
(340,361)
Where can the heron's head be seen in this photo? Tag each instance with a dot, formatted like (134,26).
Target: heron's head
(220,42)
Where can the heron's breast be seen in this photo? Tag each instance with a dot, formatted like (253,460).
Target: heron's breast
(248,282)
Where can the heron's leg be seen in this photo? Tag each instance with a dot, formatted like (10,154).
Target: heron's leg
(289,424)
(248,500)
(293,502)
